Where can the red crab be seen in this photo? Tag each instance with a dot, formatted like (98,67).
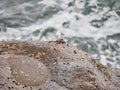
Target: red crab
(59,41)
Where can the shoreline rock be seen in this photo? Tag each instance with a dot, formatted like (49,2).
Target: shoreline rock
(65,67)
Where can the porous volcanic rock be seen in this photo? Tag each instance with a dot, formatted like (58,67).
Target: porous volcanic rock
(54,65)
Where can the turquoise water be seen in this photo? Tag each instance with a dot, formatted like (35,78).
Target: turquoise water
(92,25)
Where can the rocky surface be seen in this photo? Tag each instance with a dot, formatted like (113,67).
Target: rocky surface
(53,65)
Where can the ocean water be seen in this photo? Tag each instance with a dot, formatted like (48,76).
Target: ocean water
(91,25)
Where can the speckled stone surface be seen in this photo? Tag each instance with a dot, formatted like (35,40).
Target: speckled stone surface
(54,65)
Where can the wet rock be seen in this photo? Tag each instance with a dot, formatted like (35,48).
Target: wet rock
(27,71)
(53,65)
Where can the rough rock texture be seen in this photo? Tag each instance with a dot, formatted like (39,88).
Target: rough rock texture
(53,65)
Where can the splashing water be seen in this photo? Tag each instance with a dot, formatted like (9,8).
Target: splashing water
(92,25)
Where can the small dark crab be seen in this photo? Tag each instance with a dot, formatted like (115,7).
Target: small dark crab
(59,41)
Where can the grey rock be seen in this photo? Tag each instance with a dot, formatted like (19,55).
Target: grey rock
(53,65)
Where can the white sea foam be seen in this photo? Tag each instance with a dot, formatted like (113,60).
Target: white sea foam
(26,20)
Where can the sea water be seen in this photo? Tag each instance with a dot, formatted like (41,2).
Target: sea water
(91,25)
